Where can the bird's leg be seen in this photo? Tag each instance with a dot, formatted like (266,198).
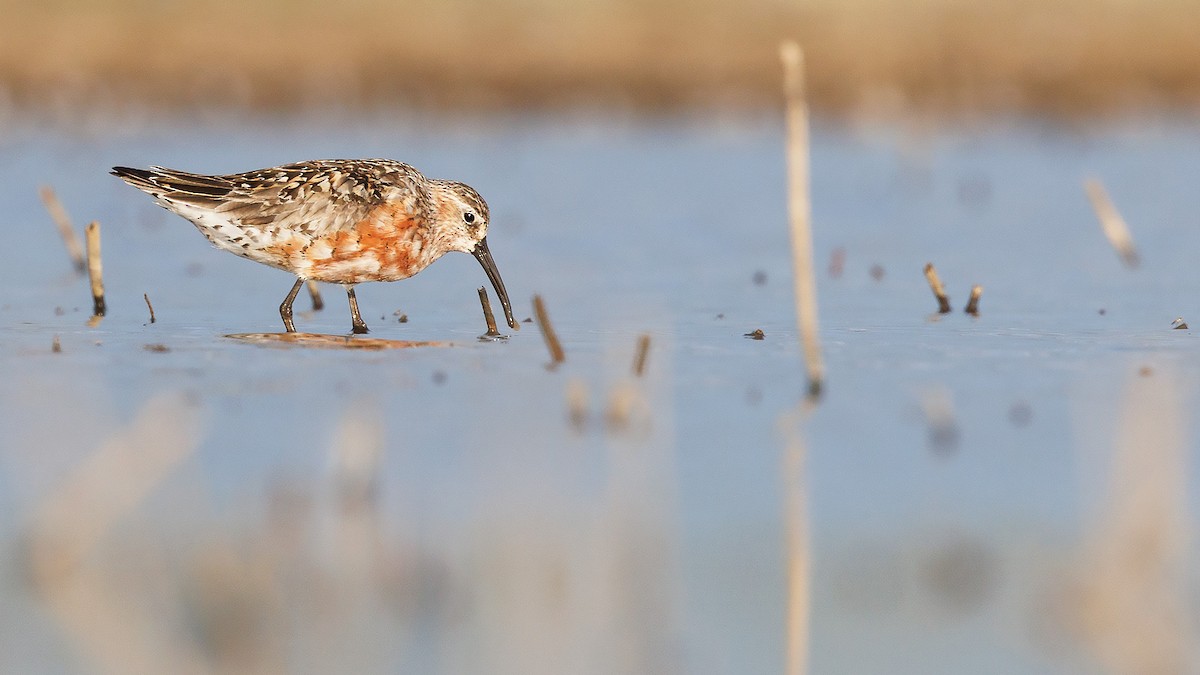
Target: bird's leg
(358,327)
(285,310)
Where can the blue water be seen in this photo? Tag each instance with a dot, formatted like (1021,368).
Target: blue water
(664,541)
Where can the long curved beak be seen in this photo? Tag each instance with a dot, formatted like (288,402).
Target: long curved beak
(484,256)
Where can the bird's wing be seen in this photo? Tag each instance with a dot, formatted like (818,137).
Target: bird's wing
(309,198)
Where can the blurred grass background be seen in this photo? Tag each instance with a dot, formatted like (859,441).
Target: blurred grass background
(1063,57)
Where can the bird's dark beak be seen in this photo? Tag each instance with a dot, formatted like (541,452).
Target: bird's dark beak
(484,256)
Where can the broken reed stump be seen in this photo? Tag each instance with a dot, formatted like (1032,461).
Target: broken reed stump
(800,212)
(939,291)
(146,297)
(577,404)
(639,359)
(1111,222)
(318,303)
(973,302)
(94,268)
(492,333)
(65,230)
(543,321)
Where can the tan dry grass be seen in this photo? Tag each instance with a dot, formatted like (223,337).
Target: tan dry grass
(1064,56)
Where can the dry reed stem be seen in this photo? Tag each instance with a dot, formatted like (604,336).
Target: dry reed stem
(543,321)
(75,519)
(95,268)
(940,420)
(643,350)
(65,230)
(489,318)
(56,345)
(146,297)
(1134,606)
(939,291)
(1111,222)
(623,402)
(318,303)
(972,307)
(796,541)
(800,213)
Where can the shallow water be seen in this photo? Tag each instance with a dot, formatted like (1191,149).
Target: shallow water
(504,536)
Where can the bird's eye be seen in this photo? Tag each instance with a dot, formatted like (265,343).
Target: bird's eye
(468,217)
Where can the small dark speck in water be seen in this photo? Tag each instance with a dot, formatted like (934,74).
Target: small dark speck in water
(156,348)
(760,278)
(194,269)
(1103,311)
(720,316)
(59,311)
(756,334)
(877,272)
(943,438)
(1020,414)
(439,377)
(1145,371)
(527,320)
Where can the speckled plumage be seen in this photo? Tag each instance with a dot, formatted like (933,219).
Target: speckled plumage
(338,221)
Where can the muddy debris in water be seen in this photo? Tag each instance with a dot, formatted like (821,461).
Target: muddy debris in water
(1179,324)
(157,348)
(1102,311)
(756,334)
(837,263)
(960,575)
(759,278)
(877,272)
(1145,371)
(577,404)
(1020,414)
(720,316)
(939,291)
(401,317)
(438,377)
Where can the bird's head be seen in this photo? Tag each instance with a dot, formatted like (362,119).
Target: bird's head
(462,223)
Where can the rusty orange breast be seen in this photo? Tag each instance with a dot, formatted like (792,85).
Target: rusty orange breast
(385,246)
